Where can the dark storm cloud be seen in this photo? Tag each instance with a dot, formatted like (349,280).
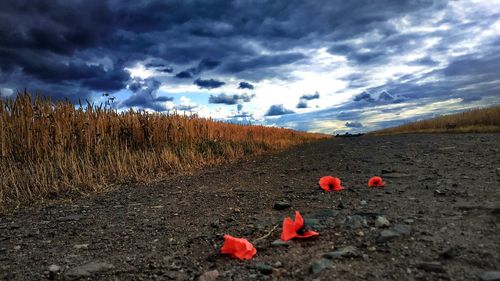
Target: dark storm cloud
(264,61)
(145,95)
(72,48)
(278,109)
(208,84)
(302,104)
(310,96)
(230,99)
(353,125)
(245,85)
(184,74)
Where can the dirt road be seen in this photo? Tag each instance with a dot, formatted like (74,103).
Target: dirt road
(438,218)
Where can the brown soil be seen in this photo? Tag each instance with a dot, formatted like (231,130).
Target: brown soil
(444,187)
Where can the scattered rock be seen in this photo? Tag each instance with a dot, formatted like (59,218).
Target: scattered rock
(363,202)
(355,222)
(211,275)
(490,276)
(87,270)
(264,268)
(319,265)
(81,246)
(346,252)
(387,235)
(280,243)
(431,267)
(17,248)
(381,221)
(438,192)
(54,271)
(402,229)
(281,205)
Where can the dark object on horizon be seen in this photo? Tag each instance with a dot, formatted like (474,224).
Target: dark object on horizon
(348,135)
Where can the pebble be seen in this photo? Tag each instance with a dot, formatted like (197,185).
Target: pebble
(381,221)
(53,271)
(280,243)
(402,229)
(81,246)
(355,222)
(346,252)
(264,268)
(87,270)
(281,205)
(490,276)
(211,275)
(431,267)
(363,202)
(387,235)
(319,265)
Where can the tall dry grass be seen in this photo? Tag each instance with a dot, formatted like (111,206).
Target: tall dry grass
(50,149)
(482,120)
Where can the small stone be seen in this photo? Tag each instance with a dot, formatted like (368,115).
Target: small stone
(381,221)
(319,265)
(490,276)
(371,249)
(363,202)
(409,221)
(438,192)
(280,243)
(211,275)
(81,246)
(264,268)
(431,267)
(278,264)
(402,229)
(281,205)
(54,268)
(355,222)
(387,235)
(54,271)
(17,248)
(346,252)
(87,270)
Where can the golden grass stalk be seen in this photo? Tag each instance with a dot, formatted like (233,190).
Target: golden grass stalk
(50,150)
(482,120)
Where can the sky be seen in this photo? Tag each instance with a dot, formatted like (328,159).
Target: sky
(320,65)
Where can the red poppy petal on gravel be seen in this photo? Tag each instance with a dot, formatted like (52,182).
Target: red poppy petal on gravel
(290,228)
(238,248)
(337,184)
(376,181)
(308,233)
(325,182)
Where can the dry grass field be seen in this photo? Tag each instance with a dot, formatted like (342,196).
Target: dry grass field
(52,150)
(483,120)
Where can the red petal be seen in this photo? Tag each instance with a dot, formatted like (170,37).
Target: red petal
(376,182)
(299,221)
(325,182)
(288,232)
(337,184)
(238,248)
(308,233)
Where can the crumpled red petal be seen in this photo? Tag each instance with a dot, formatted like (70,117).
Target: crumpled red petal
(376,181)
(238,248)
(290,228)
(337,184)
(325,183)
